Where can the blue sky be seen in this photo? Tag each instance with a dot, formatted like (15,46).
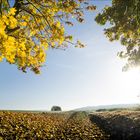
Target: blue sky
(75,77)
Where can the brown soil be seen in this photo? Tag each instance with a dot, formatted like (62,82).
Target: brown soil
(120,125)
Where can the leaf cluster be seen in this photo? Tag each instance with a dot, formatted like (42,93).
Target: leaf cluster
(29,27)
(124,18)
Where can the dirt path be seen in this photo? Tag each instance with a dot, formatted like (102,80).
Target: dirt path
(78,127)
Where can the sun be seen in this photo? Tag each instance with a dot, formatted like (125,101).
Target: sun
(131,78)
(129,85)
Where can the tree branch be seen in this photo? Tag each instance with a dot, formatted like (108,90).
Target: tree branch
(40,13)
(17,6)
(8,3)
(12,30)
(1,7)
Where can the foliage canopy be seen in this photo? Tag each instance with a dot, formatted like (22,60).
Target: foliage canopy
(124,17)
(56,108)
(29,27)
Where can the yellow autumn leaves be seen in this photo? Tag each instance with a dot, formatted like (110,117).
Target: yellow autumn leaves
(14,47)
(49,126)
(31,27)
(7,46)
(27,47)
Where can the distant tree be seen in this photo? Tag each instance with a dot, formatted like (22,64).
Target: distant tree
(29,27)
(124,18)
(56,108)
